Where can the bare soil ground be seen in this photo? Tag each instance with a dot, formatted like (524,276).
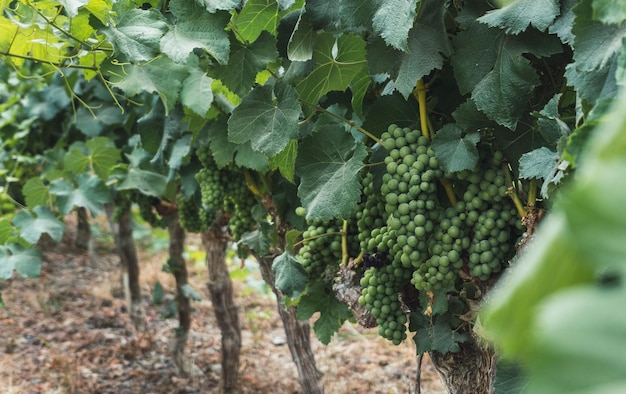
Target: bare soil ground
(69,332)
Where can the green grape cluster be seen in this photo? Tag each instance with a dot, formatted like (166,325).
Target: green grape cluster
(147,210)
(226,189)
(321,252)
(427,237)
(383,303)
(192,215)
(322,246)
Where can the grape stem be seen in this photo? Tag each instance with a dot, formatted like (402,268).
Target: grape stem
(302,241)
(344,244)
(512,192)
(532,193)
(447,185)
(420,94)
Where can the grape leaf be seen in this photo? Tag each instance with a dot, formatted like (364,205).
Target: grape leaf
(267,122)
(197,94)
(290,276)
(6,230)
(25,261)
(456,150)
(510,378)
(427,45)
(490,65)
(593,85)
(609,11)
(563,23)
(161,76)
(516,16)
(77,158)
(285,161)
(71,6)
(91,194)
(8,30)
(328,163)
(541,163)
(33,226)
(224,151)
(595,43)
(214,5)
(147,182)
(337,63)
(301,41)
(102,155)
(246,61)
(391,109)
(196,28)
(255,17)
(35,192)
(550,125)
(345,15)
(320,298)
(435,334)
(393,20)
(137,34)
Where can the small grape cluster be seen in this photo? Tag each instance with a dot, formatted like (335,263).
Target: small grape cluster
(192,215)
(226,189)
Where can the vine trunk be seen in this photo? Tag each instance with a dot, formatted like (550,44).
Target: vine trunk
(221,289)
(297,333)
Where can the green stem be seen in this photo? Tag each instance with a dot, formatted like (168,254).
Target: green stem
(45,61)
(512,192)
(420,94)
(532,193)
(344,244)
(347,121)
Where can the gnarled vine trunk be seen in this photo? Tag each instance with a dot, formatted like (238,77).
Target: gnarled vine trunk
(297,333)
(83,230)
(179,269)
(125,244)
(221,290)
(471,370)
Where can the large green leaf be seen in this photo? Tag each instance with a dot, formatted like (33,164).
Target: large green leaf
(255,17)
(595,43)
(197,93)
(345,15)
(490,64)
(90,193)
(147,182)
(541,163)
(320,298)
(267,117)
(338,61)
(137,35)
(196,28)
(428,43)
(103,156)
(302,40)
(328,164)
(455,149)
(6,230)
(609,11)
(290,276)
(43,222)
(246,61)
(393,20)
(35,192)
(214,5)
(559,310)
(26,262)
(516,16)
(161,76)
